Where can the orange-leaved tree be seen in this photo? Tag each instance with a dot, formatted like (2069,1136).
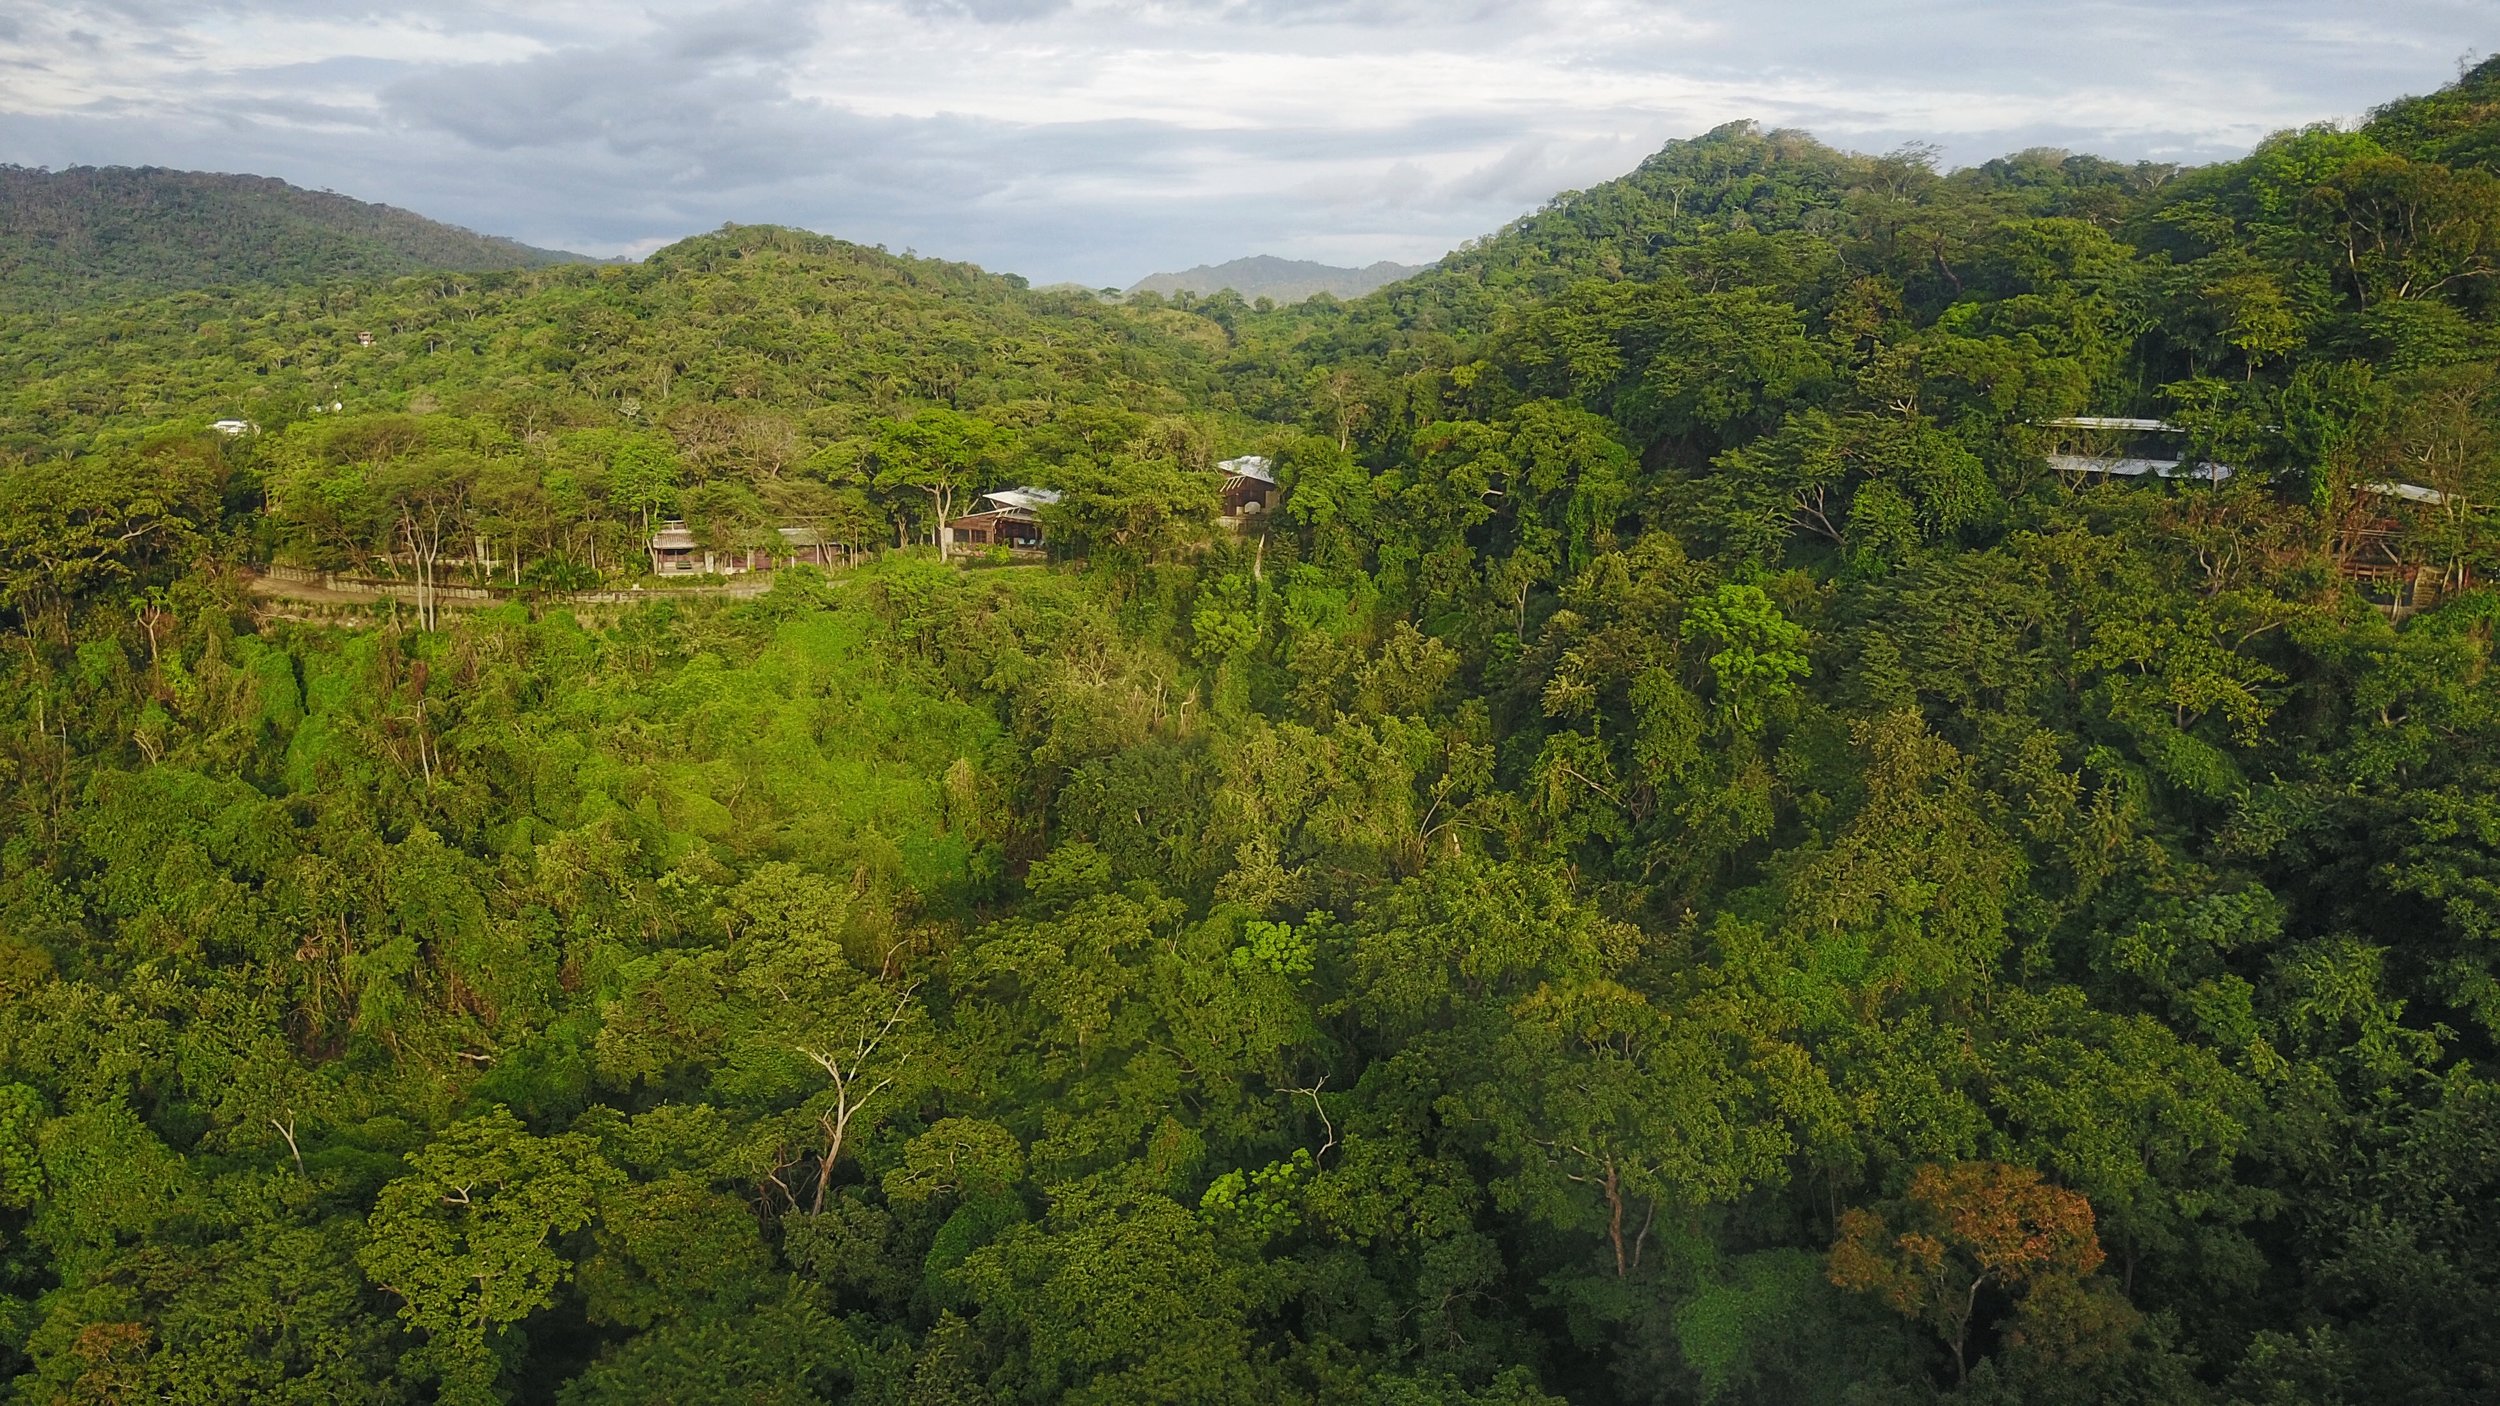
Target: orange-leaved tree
(1966,1228)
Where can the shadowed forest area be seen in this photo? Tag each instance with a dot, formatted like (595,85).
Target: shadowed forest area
(1828,783)
(115,234)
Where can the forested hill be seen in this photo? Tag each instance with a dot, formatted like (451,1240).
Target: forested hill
(1282,280)
(1764,199)
(1727,840)
(89,234)
(803,338)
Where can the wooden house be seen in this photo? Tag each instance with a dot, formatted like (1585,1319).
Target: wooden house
(675,552)
(1249,486)
(1010,517)
(2375,551)
(806,544)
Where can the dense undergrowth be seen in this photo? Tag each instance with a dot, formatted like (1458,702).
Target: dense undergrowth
(1685,862)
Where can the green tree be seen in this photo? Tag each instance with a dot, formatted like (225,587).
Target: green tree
(466,1241)
(938,453)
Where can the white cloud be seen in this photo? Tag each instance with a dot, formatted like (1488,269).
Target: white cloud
(1100,139)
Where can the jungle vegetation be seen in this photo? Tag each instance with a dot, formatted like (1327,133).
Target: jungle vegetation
(1684,862)
(94,234)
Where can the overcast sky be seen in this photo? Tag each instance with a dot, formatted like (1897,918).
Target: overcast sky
(1102,140)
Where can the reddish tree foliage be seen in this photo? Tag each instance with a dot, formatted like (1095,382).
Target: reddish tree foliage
(1960,1229)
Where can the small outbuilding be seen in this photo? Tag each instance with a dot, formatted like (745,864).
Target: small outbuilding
(1249,486)
(2378,548)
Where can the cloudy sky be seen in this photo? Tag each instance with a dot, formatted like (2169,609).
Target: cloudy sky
(1101,140)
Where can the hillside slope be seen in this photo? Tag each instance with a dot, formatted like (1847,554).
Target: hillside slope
(1285,280)
(1685,859)
(772,321)
(115,233)
(2457,126)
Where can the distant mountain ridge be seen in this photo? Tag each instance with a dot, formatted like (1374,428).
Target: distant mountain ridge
(114,233)
(1285,280)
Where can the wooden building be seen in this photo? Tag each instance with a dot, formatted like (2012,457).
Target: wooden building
(806,544)
(1249,486)
(1011,517)
(675,552)
(2377,550)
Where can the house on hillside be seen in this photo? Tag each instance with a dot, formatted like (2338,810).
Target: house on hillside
(1249,486)
(675,552)
(806,544)
(2381,545)
(2118,446)
(2379,549)
(1010,517)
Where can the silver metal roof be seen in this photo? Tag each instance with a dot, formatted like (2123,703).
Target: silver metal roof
(1257,466)
(2410,492)
(1027,498)
(2111,422)
(2118,467)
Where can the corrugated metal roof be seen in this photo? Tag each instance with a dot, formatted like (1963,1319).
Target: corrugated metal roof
(2410,492)
(672,537)
(1257,466)
(2111,422)
(2118,467)
(1026,497)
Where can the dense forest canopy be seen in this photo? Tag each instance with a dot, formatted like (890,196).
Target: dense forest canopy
(114,233)
(1714,847)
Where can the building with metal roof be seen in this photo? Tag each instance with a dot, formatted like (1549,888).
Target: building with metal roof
(1010,517)
(1249,485)
(2131,447)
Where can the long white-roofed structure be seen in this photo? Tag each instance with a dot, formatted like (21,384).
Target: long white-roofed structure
(2130,446)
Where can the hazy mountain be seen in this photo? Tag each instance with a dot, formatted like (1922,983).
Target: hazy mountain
(110,233)
(1285,280)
